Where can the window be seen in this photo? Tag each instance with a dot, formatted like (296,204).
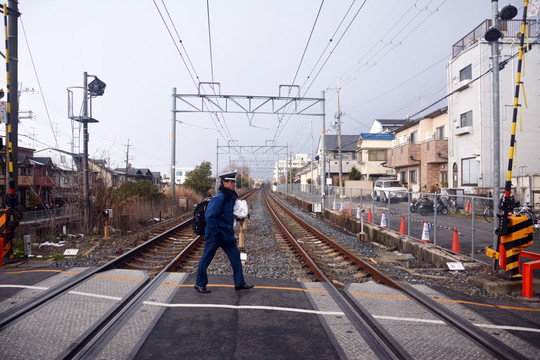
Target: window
(414,137)
(439,133)
(402,177)
(444,177)
(412,176)
(469,171)
(466,119)
(377,155)
(465,73)
(360,156)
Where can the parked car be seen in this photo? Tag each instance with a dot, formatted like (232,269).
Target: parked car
(389,189)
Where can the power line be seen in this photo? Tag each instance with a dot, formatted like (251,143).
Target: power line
(402,83)
(175,45)
(39,82)
(335,46)
(307,44)
(210,40)
(179,39)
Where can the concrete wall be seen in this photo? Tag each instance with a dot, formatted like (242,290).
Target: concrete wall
(405,244)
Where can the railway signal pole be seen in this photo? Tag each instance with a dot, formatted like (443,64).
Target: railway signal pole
(10,216)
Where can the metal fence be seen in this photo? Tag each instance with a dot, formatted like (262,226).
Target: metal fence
(469,216)
(47,215)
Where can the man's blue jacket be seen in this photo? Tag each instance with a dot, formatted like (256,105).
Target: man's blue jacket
(219,219)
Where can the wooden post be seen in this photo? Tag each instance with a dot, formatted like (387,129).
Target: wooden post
(106,227)
(241,235)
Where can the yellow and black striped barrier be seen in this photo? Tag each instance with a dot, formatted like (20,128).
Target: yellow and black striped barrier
(519,236)
(5,238)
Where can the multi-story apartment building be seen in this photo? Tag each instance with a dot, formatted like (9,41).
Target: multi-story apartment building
(281,166)
(419,152)
(470,109)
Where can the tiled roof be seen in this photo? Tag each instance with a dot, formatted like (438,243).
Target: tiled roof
(348,142)
(376,136)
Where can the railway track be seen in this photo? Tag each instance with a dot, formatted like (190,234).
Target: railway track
(157,256)
(334,265)
(319,258)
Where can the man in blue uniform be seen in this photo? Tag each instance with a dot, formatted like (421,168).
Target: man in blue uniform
(219,232)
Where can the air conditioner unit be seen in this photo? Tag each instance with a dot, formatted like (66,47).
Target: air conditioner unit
(429,135)
(462,85)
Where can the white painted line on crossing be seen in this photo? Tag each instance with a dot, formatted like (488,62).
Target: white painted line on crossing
(275,308)
(489,326)
(95,295)
(246,307)
(25,287)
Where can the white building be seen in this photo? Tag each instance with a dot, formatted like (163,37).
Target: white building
(280,167)
(470,120)
(180,174)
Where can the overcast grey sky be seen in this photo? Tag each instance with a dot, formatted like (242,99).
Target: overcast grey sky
(388,58)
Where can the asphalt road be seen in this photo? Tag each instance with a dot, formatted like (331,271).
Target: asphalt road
(474,234)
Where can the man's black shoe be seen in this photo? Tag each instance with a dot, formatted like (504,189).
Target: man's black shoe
(202,289)
(243,286)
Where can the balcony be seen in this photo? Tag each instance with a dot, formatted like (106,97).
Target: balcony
(26,180)
(509,28)
(400,156)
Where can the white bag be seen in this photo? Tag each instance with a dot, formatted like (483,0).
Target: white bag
(240,209)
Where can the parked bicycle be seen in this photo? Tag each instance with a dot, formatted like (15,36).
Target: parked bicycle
(488,213)
(451,204)
(528,210)
(428,207)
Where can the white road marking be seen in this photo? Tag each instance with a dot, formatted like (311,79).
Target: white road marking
(275,308)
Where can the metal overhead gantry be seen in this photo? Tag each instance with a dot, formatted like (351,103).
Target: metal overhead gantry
(266,150)
(212,101)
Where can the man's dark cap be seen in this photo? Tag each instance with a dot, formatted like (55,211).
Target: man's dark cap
(230,176)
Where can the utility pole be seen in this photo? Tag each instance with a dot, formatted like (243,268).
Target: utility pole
(340,162)
(495,55)
(127,158)
(173,146)
(323,152)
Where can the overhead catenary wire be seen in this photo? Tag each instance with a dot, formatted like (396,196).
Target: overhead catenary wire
(193,75)
(179,39)
(280,129)
(307,44)
(386,43)
(175,45)
(210,40)
(369,64)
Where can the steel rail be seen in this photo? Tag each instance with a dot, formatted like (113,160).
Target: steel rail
(488,342)
(85,348)
(381,342)
(58,290)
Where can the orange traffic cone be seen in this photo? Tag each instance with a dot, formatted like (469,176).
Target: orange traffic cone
(403,227)
(384,223)
(370,216)
(349,209)
(468,207)
(455,241)
(425,232)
